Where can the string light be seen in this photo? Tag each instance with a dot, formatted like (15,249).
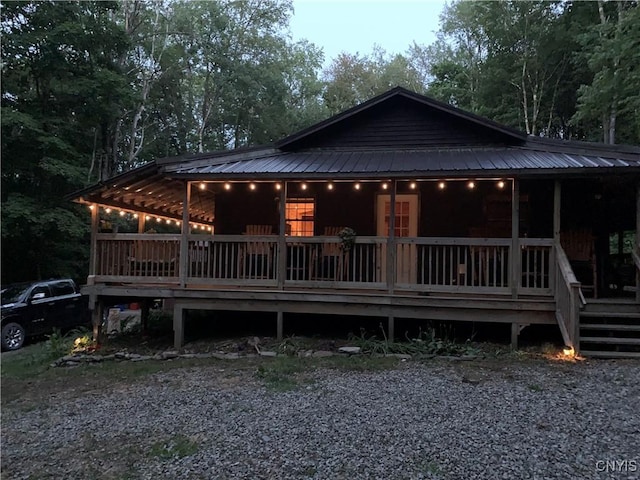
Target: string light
(107,210)
(442,185)
(329,186)
(227,186)
(252,186)
(122,213)
(471,185)
(91,207)
(158,219)
(147,217)
(135,215)
(356,186)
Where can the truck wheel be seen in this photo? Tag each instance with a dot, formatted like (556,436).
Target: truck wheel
(12,336)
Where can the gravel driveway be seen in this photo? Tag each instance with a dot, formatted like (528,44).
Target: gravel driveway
(449,420)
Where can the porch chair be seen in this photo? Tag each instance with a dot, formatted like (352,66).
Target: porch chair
(257,256)
(579,245)
(331,259)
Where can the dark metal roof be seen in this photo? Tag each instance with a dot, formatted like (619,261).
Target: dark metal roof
(375,164)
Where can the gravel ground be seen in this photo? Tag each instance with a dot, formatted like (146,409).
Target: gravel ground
(448,420)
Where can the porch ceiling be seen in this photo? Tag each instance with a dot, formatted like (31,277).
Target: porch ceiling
(153,194)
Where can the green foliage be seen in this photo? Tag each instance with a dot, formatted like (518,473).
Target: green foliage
(425,343)
(280,374)
(549,68)
(178,446)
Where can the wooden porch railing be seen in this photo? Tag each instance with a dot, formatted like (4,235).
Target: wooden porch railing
(479,265)
(131,257)
(568,300)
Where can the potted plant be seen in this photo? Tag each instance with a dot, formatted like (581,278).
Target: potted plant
(348,238)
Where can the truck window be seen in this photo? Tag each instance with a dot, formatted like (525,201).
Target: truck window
(59,289)
(41,289)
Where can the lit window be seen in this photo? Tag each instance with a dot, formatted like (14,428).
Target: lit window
(300,217)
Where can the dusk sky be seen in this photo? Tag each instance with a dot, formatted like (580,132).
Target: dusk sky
(355,26)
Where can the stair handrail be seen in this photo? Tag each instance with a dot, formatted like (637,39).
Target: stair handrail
(569,299)
(636,259)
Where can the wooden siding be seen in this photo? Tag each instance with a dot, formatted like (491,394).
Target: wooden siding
(401,123)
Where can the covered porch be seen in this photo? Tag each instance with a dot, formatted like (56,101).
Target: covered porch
(502,256)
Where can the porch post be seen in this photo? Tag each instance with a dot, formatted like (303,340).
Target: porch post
(282,241)
(141,222)
(184,239)
(95,215)
(516,257)
(391,240)
(557,202)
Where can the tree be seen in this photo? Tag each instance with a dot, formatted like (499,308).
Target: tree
(610,49)
(60,85)
(352,79)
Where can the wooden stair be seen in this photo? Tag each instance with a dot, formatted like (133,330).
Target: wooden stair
(610,328)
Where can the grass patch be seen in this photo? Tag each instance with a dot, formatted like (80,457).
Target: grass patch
(178,446)
(280,374)
(360,363)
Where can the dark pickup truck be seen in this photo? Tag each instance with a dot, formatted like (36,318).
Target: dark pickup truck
(37,308)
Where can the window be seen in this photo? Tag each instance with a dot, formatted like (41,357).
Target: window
(40,289)
(300,215)
(59,289)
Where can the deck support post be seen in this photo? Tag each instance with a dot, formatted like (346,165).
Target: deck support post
(516,328)
(178,326)
(516,256)
(96,320)
(95,215)
(391,240)
(637,240)
(279,325)
(282,241)
(391,328)
(184,239)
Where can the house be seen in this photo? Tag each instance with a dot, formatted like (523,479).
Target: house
(401,207)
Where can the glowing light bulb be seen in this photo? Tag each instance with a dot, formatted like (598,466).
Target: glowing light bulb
(203,186)
(356,186)
(500,184)
(252,186)
(303,186)
(471,185)
(412,185)
(442,185)
(330,186)
(227,186)
(385,186)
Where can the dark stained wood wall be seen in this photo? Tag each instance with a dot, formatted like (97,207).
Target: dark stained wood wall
(401,123)
(452,212)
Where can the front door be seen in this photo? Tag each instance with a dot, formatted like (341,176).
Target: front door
(406,225)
